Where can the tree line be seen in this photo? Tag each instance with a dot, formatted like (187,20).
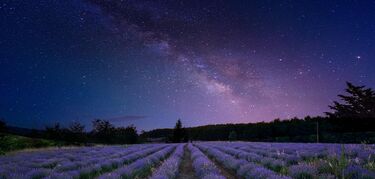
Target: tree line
(352,120)
(102,132)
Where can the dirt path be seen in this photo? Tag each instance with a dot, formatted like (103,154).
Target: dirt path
(186,167)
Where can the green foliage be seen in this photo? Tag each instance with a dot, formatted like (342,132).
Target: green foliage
(341,126)
(370,165)
(283,170)
(178,132)
(76,133)
(126,135)
(304,176)
(54,132)
(331,130)
(338,164)
(232,136)
(14,142)
(360,103)
(103,132)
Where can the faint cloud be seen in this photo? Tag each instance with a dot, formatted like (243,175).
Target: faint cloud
(127,118)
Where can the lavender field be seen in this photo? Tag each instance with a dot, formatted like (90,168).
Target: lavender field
(208,160)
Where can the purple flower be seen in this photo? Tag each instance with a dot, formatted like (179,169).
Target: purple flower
(142,161)
(169,169)
(304,171)
(203,167)
(37,173)
(355,171)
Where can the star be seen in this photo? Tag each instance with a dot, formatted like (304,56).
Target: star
(172,59)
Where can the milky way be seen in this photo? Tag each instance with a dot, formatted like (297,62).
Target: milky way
(150,62)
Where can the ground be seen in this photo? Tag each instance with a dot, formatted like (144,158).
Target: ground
(186,167)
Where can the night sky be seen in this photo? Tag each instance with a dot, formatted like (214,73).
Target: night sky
(150,62)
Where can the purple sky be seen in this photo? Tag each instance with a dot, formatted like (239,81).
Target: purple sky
(149,63)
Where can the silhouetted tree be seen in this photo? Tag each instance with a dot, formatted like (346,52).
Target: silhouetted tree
(178,132)
(3,126)
(54,132)
(76,133)
(232,136)
(360,103)
(103,130)
(76,127)
(126,135)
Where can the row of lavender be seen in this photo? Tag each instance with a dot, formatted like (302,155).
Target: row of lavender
(280,160)
(87,162)
(162,161)
(138,161)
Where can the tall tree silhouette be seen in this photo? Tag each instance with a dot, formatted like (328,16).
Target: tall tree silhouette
(178,132)
(76,132)
(126,135)
(360,103)
(103,130)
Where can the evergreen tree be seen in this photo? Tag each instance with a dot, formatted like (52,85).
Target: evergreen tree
(76,132)
(103,130)
(178,132)
(360,103)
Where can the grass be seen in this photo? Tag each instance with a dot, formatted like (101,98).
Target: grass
(9,143)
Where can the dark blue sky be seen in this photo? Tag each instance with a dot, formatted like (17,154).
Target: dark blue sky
(149,62)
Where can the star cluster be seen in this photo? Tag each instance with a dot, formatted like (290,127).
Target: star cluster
(150,62)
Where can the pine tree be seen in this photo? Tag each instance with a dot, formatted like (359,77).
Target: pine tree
(178,132)
(360,103)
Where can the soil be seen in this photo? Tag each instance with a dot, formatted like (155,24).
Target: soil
(229,174)
(186,167)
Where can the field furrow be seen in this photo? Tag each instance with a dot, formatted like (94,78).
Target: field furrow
(203,160)
(186,167)
(203,166)
(170,167)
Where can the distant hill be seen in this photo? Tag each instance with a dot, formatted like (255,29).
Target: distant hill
(22,131)
(330,130)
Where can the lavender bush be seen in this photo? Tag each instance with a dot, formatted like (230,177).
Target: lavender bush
(169,169)
(243,168)
(66,163)
(297,160)
(303,171)
(203,167)
(142,165)
(244,159)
